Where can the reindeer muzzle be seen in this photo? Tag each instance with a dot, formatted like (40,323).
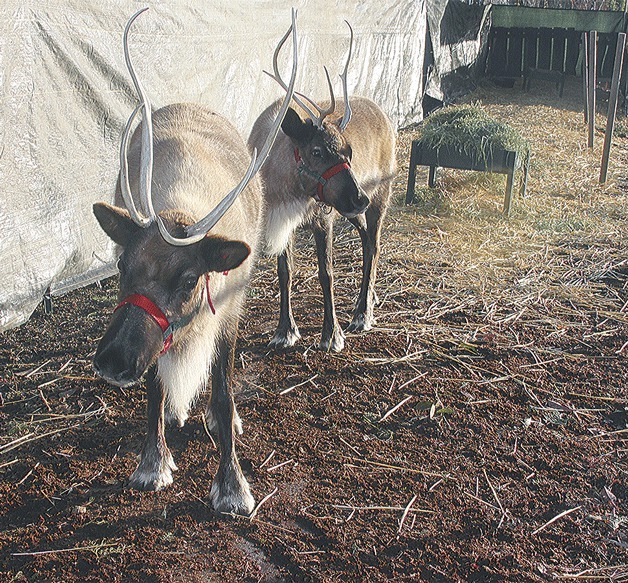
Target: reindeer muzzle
(321,179)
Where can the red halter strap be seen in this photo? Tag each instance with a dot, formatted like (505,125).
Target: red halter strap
(320,178)
(156,314)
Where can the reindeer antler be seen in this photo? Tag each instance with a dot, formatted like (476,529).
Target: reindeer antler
(146,157)
(198,230)
(347,115)
(322,113)
(318,120)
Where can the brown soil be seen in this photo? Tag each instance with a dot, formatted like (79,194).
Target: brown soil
(505,459)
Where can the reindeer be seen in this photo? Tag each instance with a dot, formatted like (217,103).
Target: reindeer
(177,319)
(341,158)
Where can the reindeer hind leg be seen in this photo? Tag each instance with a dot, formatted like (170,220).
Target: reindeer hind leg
(369,227)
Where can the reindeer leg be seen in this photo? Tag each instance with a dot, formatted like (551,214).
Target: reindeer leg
(230,491)
(332,337)
(287,333)
(154,471)
(369,227)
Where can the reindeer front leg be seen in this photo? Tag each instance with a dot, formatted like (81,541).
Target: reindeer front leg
(332,337)
(154,471)
(230,491)
(287,333)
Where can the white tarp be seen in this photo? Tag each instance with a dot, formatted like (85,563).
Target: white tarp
(66,95)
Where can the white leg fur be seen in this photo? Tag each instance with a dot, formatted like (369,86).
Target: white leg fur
(153,473)
(211,422)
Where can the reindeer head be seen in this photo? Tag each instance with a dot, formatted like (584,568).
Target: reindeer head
(162,288)
(166,258)
(321,150)
(322,155)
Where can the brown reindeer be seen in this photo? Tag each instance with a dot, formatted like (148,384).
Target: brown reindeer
(340,158)
(184,269)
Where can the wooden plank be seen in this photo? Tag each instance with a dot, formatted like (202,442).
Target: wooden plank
(573,52)
(499,161)
(412,173)
(498,52)
(544,58)
(558,50)
(515,50)
(612,104)
(585,74)
(605,51)
(592,84)
(531,36)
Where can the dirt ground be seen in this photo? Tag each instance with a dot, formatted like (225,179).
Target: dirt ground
(477,433)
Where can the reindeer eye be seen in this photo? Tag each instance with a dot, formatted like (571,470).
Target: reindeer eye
(188,284)
(317,152)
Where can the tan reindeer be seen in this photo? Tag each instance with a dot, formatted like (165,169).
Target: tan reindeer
(177,319)
(341,157)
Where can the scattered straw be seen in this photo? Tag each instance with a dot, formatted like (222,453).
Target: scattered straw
(311,379)
(557,517)
(262,501)
(95,548)
(405,513)
(395,408)
(281,465)
(30,437)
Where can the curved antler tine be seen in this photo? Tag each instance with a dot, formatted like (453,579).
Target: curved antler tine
(347,115)
(332,100)
(197,231)
(125,188)
(277,76)
(270,140)
(146,158)
(322,113)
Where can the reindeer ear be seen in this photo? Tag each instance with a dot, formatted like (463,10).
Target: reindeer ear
(297,129)
(116,222)
(218,254)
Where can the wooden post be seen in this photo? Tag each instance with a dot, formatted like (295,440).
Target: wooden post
(585,75)
(412,172)
(592,83)
(510,181)
(612,104)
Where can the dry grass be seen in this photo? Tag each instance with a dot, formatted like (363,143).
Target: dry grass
(560,257)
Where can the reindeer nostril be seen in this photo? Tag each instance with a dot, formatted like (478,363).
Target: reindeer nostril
(114,366)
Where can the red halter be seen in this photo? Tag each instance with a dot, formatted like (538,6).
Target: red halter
(320,178)
(156,314)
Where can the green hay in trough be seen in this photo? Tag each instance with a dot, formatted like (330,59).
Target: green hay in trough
(469,129)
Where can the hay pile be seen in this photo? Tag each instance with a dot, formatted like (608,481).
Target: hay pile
(470,129)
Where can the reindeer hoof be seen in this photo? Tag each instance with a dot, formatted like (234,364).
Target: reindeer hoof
(361,323)
(285,338)
(232,498)
(334,344)
(152,478)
